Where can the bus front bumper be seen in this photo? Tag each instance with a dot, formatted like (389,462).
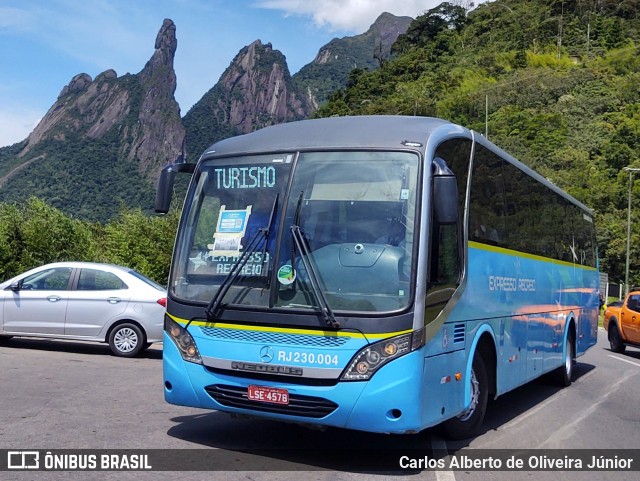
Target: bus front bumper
(390,402)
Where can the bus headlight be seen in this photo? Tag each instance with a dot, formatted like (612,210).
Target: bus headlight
(183,340)
(369,359)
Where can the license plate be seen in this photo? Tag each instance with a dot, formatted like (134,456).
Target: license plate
(268,394)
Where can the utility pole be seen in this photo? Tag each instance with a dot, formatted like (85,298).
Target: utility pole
(560,30)
(486,116)
(631,170)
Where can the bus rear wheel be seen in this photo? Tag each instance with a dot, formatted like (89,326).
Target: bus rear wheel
(468,423)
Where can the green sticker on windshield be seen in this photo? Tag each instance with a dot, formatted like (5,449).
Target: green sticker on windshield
(286,275)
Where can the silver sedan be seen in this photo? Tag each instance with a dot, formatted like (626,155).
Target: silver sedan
(84,301)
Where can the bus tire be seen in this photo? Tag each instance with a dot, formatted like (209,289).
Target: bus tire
(468,423)
(615,341)
(126,340)
(564,374)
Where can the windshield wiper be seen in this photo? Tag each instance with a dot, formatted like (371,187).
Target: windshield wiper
(300,243)
(236,269)
(266,237)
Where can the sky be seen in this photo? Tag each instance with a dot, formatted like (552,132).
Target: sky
(44,43)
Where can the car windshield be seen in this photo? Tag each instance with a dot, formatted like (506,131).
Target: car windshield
(147,280)
(354,211)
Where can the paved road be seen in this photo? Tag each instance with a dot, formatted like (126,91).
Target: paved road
(71,395)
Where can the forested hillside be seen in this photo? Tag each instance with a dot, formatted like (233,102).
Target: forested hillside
(331,67)
(554,83)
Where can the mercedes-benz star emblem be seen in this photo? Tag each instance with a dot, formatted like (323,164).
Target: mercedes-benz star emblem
(266,354)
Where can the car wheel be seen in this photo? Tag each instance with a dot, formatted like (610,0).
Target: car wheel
(615,341)
(468,423)
(564,374)
(126,340)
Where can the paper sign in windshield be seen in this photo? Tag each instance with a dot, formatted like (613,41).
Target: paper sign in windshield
(230,229)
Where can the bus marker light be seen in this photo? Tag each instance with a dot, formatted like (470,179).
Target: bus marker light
(458,376)
(373,357)
(445,380)
(362,368)
(390,349)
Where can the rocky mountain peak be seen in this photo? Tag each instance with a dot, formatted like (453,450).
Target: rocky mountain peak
(77,84)
(141,108)
(256,90)
(166,42)
(335,61)
(162,59)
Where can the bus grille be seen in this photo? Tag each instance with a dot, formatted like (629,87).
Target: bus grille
(458,333)
(305,406)
(274,337)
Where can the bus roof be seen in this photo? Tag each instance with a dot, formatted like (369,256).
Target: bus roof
(386,132)
(373,132)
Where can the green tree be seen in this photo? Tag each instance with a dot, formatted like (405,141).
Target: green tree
(141,242)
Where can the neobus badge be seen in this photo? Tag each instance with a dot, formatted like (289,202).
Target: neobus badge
(266,368)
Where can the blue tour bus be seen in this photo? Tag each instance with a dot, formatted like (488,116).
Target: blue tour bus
(377,273)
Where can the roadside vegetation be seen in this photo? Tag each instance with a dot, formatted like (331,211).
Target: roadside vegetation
(34,233)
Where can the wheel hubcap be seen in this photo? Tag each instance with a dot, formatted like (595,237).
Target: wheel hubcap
(568,359)
(126,339)
(475,396)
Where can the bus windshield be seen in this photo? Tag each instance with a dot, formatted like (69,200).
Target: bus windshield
(319,230)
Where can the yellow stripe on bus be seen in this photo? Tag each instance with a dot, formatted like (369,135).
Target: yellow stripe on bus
(283,330)
(503,250)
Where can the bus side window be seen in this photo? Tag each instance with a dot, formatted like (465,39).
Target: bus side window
(447,268)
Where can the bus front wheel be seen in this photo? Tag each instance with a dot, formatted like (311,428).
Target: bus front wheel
(564,374)
(468,423)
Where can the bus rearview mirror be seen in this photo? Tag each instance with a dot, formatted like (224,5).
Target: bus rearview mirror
(445,193)
(164,192)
